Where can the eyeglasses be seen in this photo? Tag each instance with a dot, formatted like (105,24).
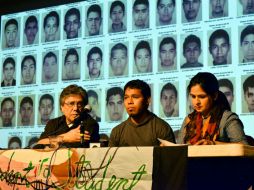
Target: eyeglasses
(73,104)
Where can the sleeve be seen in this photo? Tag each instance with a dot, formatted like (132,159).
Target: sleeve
(180,139)
(50,128)
(95,137)
(233,128)
(164,131)
(113,142)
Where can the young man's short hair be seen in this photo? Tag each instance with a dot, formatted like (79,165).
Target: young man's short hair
(51,14)
(93,50)
(114,91)
(139,84)
(143,45)
(189,39)
(94,8)
(248,83)
(118,46)
(246,31)
(167,40)
(11,21)
(142,2)
(9,60)
(169,86)
(26,58)
(159,1)
(31,19)
(117,3)
(218,34)
(48,55)
(227,83)
(71,51)
(7,100)
(25,100)
(92,93)
(46,96)
(72,11)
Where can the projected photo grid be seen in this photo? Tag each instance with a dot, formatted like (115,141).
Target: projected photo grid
(100,45)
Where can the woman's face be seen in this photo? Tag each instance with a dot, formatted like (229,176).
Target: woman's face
(201,101)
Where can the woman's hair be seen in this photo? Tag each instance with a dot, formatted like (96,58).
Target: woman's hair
(209,83)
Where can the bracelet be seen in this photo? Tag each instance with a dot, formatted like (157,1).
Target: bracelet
(81,134)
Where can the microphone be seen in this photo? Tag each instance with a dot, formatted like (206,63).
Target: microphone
(79,121)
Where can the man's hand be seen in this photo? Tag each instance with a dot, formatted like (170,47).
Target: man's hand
(75,136)
(72,136)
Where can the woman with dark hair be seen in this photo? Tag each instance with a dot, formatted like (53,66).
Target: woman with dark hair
(211,122)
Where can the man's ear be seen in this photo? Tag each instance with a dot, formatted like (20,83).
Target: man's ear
(148,101)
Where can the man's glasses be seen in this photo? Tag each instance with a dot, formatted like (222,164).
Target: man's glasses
(73,104)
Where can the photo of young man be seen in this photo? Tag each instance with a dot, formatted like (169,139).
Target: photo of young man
(10,37)
(8,72)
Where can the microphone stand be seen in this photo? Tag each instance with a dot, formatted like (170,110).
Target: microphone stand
(82,131)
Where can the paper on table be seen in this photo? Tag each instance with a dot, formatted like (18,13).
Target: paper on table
(167,143)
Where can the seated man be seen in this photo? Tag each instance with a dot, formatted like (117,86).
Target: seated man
(72,101)
(142,128)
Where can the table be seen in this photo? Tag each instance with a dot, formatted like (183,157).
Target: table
(174,167)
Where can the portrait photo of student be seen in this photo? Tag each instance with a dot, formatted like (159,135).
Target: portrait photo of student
(11,32)
(166,13)
(117,15)
(49,67)
(142,58)
(218,9)
(95,63)
(226,86)
(118,60)
(28,70)
(248,94)
(167,54)
(26,111)
(169,100)
(94,20)
(245,7)
(219,48)
(192,52)
(72,24)
(31,29)
(114,104)
(8,72)
(247,44)
(51,31)
(71,64)
(46,108)
(14,143)
(191,10)
(140,14)
(8,111)
(94,102)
